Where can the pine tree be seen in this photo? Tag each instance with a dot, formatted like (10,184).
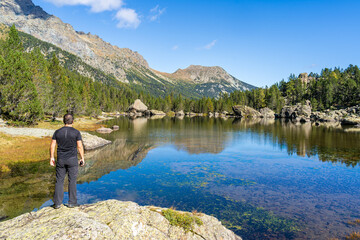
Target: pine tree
(19,98)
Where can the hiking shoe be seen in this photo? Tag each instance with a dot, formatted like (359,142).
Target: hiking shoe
(72,205)
(56,206)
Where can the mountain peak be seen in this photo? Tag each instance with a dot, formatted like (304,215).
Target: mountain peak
(202,74)
(122,64)
(90,48)
(24,7)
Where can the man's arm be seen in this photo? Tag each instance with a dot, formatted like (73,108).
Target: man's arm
(52,152)
(81,150)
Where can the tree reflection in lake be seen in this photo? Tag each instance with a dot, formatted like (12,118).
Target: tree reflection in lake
(211,135)
(29,185)
(225,167)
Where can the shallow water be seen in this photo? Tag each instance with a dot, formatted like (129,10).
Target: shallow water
(262,179)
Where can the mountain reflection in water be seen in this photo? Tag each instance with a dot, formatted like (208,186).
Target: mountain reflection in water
(262,178)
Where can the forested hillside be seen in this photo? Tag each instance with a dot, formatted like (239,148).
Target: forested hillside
(33,85)
(332,88)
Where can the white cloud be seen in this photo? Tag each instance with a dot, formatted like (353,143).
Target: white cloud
(156,12)
(96,5)
(128,18)
(210,45)
(176,47)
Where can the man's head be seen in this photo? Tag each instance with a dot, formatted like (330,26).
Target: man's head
(68,119)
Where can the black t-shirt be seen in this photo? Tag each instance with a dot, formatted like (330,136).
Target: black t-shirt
(66,138)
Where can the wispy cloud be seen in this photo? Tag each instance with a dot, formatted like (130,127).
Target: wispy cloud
(156,12)
(209,46)
(96,5)
(176,47)
(127,18)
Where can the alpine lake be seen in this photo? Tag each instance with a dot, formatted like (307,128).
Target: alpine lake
(264,179)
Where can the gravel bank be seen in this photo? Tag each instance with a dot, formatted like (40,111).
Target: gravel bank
(90,141)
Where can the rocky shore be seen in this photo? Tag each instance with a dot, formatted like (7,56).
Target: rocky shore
(303,113)
(90,141)
(111,219)
(347,116)
(296,113)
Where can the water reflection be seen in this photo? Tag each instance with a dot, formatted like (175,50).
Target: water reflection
(262,178)
(27,187)
(118,155)
(211,135)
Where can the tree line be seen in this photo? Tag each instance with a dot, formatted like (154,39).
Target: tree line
(331,89)
(32,86)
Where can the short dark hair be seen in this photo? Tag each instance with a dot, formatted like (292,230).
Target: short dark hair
(68,118)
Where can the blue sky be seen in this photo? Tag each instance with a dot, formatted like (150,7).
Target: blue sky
(259,42)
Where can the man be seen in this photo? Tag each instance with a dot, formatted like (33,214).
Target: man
(68,140)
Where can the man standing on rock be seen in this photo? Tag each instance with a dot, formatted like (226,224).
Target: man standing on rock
(68,140)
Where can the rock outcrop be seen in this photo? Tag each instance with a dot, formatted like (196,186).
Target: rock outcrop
(305,78)
(299,112)
(180,113)
(351,120)
(267,113)
(347,116)
(92,142)
(110,219)
(245,111)
(138,107)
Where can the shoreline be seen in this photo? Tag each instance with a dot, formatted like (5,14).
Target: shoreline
(18,143)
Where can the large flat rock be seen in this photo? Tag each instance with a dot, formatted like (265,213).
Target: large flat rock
(90,141)
(109,219)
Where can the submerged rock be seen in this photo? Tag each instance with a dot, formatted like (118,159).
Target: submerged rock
(157,116)
(110,219)
(245,111)
(157,112)
(104,130)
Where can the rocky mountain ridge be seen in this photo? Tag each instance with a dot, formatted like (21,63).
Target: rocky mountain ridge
(198,74)
(90,48)
(124,64)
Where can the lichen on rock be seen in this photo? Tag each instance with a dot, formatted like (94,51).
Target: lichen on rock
(109,219)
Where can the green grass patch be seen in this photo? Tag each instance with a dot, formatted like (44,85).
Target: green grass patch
(183,220)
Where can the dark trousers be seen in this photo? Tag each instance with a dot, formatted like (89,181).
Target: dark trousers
(69,166)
